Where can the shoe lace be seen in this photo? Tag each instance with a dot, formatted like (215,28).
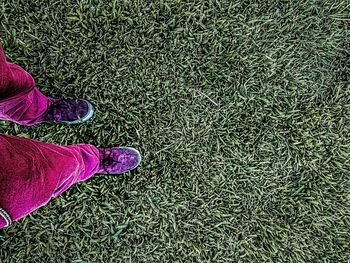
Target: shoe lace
(107,159)
(56,107)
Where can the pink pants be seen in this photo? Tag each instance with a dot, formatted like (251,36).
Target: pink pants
(32,172)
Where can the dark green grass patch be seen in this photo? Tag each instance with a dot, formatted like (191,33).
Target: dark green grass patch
(241,110)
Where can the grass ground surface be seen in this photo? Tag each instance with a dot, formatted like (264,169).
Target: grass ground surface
(241,110)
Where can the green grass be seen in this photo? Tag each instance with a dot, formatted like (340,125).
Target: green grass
(241,110)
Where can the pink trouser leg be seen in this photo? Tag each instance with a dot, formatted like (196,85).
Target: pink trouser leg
(20,100)
(33,172)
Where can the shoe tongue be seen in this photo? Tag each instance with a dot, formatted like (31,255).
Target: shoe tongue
(60,110)
(108,160)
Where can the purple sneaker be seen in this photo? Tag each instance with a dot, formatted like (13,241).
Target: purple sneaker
(70,111)
(118,160)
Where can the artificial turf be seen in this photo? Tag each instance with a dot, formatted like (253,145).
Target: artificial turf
(241,110)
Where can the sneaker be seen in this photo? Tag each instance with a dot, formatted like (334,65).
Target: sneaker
(118,160)
(70,111)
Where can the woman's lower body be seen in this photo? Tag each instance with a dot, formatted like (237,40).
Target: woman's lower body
(32,172)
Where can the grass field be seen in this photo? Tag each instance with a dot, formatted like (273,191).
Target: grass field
(241,110)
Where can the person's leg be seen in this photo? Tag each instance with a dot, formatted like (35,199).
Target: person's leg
(20,100)
(23,103)
(33,172)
